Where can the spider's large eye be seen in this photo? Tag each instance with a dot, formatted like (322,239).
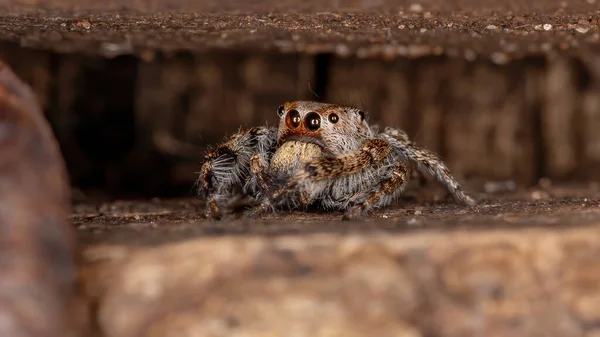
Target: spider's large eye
(292,119)
(280,111)
(333,118)
(312,121)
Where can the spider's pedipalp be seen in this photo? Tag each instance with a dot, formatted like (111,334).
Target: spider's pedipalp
(426,162)
(372,152)
(330,169)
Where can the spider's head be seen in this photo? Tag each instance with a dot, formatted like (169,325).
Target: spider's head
(335,129)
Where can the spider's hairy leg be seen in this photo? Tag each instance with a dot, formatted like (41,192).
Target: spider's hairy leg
(372,152)
(400,175)
(259,167)
(426,162)
(226,169)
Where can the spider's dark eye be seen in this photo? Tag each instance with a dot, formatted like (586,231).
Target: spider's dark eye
(292,119)
(280,111)
(312,121)
(333,118)
(361,114)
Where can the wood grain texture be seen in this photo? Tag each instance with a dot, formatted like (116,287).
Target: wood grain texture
(501,283)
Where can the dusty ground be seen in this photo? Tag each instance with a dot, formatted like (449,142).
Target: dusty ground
(155,221)
(481,7)
(501,36)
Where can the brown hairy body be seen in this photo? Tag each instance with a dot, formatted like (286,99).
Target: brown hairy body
(321,154)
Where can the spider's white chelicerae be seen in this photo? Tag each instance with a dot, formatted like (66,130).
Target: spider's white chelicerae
(321,154)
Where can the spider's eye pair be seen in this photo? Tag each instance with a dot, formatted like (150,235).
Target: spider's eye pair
(312,120)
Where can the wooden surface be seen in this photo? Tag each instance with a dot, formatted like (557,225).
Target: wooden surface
(523,263)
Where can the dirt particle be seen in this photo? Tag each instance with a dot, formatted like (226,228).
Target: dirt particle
(539,195)
(500,58)
(545,183)
(416,8)
(499,186)
(85,24)
(470,55)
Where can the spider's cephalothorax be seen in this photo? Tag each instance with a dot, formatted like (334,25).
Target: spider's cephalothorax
(321,154)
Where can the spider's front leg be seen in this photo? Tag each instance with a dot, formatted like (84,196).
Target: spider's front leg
(400,174)
(372,152)
(226,170)
(426,162)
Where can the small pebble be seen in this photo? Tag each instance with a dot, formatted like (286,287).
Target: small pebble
(423,30)
(499,186)
(545,183)
(582,30)
(500,58)
(547,27)
(417,212)
(470,55)
(401,27)
(416,8)
(491,27)
(546,46)
(539,195)
(342,50)
(85,24)
(412,222)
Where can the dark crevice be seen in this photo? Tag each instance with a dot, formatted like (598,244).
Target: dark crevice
(582,79)
(412,122)
(538,142)
(322,66)
(103,111)
(539,67)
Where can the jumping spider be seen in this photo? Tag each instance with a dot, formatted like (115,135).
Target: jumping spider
(321,154)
